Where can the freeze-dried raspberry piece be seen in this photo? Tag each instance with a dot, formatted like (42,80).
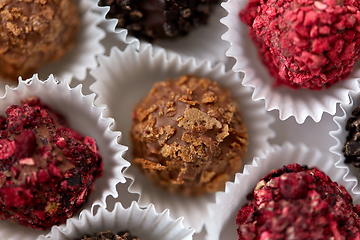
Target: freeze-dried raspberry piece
(46,169)
(305,43)
(296,202)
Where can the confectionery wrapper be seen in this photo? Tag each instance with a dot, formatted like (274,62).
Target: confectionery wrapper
(87,119)
(125,77)
(222,221)
(144,223)
(300,103)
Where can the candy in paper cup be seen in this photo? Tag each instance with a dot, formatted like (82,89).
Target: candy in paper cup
(82,56)
(83,117)
(300,103)
(202,42)
(222,221)
(352,173)
(124,78)
(144,223)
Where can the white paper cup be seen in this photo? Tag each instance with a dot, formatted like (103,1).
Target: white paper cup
(124,78)
(83,117)
(352,174)
(222,221)
(144,223)
(300,103)
(203,42)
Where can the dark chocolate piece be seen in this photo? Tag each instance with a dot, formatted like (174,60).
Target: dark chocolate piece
(109,236)
(188,135)
(153,19)
(351,147)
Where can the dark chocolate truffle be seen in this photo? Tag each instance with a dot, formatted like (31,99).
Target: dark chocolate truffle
(305,43)
(33,33)
(351,147)
(188,135)
(47,170)
(296,202)
(109,236)
(153,19)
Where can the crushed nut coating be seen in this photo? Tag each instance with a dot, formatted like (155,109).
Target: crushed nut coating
(296,202)
(153,19)
(305,43)
(188,135)
(47,170)
(33,33)
(109,236)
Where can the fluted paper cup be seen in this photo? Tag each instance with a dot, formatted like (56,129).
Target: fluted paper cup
(144,223)
(124,78)
(221,223)
(203,42)
(83,117)
(299,103)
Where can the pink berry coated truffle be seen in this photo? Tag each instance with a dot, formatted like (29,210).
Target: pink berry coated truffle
(296,202)
(47,170)
(305,43)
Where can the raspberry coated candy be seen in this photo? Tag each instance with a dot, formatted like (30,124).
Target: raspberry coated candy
(305,43)
(297,202)
(47,170)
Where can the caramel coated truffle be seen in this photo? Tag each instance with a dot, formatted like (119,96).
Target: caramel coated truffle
(154,19)
(188,135)
(47,170)
(297,202)
(33,33)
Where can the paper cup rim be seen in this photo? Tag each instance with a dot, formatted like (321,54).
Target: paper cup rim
(83,225)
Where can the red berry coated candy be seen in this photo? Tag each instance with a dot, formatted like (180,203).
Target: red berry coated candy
(305,43)
(47,170)
(296,202)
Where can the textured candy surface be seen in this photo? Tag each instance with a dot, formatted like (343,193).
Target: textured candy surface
(47,170)
(153,19)
(188,135)
(34,33)
(305,43)
(296,202)
(109,236)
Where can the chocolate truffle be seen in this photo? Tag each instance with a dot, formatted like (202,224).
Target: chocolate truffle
(33,33)
(188,135)
(153,19)
(297,202)
(47,170)
(305,43)
(351,147)
(109,236)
